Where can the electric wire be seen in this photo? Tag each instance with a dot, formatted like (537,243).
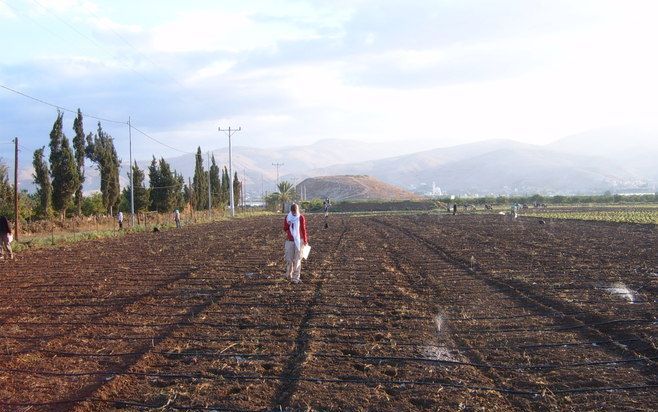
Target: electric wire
(59,107)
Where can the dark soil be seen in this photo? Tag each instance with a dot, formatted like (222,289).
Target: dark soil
(396,313)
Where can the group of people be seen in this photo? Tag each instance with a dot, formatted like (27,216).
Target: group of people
(176,218)
(294,225)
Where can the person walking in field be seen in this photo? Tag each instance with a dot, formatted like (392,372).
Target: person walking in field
(296,238)
(326,207)
(5,238)
(120,219)
(177,218)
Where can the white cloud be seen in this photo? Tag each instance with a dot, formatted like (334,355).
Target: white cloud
(213,70)
(360,82)
(222,31)
(6,12)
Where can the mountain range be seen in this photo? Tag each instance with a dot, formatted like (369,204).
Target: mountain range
(612,159)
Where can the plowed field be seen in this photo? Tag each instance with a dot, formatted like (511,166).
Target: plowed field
(395,313)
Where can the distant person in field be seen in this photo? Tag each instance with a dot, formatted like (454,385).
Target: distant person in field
(177,218)
(120,219)
(5,238)
(515,210)
(454,209)
(296,237)
(326,207)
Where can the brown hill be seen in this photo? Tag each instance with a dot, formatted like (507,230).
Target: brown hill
(351,187)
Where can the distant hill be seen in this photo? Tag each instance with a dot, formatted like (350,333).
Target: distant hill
(635,148)
(614,159)
(351,187)
(509,167)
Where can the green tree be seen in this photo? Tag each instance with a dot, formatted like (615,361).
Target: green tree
(63,168)
(93,205)
(140,192)
(6,192)
(156,193)
(285,194)
(224,193)
(79,152)
(215,183)
(44,187)
(237,189)
(101,151)
(166,187)
(200,181)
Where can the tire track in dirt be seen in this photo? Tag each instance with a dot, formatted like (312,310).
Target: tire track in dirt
(424,294)
(593,324)
(636,345)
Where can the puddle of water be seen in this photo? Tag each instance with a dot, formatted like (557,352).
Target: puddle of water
(622,291)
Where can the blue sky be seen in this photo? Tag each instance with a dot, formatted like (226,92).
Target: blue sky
(432,73)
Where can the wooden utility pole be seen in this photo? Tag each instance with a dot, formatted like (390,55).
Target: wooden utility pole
(16,189)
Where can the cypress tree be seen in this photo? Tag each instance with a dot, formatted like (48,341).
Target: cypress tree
(224,193)
(63,168)
(101,150)
(215,183)
(237,189)
(141,193)
(79,150)
(166,187)
(200,181)
(44,187)
(156,189)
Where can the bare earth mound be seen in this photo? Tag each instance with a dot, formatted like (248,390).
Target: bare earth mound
(352,187)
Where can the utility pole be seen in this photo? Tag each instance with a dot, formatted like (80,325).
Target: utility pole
(209,191)
(132,178)
(277,171)
(230,132)
(16,189)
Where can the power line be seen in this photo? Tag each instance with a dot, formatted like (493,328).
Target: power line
(58,107)
(158,141)
(117,56)
(139,53)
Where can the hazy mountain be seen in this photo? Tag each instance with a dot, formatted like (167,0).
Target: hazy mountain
(633,147)
(608,159)
(296,160)
(508,167)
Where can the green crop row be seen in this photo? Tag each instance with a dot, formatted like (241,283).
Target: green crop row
(622,216)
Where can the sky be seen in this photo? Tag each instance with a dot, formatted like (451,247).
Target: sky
(428,73)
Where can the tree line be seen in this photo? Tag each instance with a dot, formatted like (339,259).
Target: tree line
(59,178)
